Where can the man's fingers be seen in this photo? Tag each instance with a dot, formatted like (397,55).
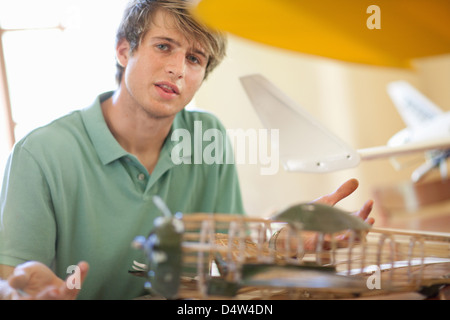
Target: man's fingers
(72,285)
(33,280)
(49,293)
(364,212)
(346,189)
(342,192)
(19,279)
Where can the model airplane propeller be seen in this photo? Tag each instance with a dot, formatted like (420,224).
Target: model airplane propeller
(308,146)
(163,250)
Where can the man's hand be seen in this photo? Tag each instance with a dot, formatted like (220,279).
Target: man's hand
(344,191)
(309,237)
(34,280)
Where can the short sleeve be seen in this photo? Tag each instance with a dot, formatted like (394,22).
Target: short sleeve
(27,223)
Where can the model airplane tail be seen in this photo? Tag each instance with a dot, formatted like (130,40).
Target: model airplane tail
(305,144)
(308,146)
(414,108)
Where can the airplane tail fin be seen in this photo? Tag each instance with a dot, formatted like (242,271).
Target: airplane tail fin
(305,145)
(413,106)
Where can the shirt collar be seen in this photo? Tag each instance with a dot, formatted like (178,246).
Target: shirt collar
(165,161)
(107,147)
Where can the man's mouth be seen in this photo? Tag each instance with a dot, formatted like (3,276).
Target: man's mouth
(168,87)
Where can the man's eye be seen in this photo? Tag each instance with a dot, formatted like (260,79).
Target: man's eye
(162,47)
(193,59)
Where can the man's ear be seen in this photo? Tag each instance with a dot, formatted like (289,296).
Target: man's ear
(123,52)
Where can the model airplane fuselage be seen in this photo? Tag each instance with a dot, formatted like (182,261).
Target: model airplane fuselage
(436,128)
(306,145)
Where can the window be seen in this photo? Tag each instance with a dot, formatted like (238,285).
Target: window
(59,55)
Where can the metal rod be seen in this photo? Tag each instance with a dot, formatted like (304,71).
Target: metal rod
(5,98)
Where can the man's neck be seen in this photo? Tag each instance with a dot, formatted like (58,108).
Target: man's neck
(137,132)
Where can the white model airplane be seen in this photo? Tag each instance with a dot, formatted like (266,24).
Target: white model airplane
(306,145)
(425,121)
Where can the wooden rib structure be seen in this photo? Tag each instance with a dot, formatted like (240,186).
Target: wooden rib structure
(235,249)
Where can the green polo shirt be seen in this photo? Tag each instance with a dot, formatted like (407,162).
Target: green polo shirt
(72,193)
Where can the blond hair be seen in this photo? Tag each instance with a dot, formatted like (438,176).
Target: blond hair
(138,17)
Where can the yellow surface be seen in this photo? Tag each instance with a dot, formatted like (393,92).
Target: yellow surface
(338,29)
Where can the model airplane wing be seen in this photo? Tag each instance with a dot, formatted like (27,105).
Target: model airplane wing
(308,146)
(292,276)
(400,150)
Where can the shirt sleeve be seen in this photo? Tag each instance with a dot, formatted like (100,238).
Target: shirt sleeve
(27,223)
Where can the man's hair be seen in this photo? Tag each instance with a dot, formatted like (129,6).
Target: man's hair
(138,17)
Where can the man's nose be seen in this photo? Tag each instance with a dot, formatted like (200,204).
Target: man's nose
(177,65)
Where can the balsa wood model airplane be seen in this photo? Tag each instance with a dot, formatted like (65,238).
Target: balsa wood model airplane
(224,255)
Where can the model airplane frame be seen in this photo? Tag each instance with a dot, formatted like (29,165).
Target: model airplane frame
(205,255)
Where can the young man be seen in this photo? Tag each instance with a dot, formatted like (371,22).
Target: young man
(80,188)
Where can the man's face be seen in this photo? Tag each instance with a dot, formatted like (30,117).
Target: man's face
(165,71)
